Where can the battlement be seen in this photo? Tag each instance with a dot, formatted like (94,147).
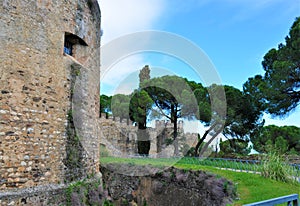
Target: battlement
(168,124)
(127,122)
(117,120)
(120,136)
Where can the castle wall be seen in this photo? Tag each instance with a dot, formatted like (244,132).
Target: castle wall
(48,97)
(120,137)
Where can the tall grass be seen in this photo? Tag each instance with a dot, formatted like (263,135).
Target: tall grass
(246,166)
(275,167)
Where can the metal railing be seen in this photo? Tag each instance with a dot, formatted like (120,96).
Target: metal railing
(291,200)
(250,166)
(238,165)
(227,163)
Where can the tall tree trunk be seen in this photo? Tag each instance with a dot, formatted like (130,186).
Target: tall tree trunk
(143,138)
(203,138)
(174,120)
(175,139)
(208,143)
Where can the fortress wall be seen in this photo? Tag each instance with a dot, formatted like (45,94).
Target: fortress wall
(120,137)
(43,90)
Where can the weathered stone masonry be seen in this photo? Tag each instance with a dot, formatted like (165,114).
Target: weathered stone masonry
(48,98)
(119,136)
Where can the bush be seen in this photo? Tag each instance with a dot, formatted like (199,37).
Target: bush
(275,167)
(188,151)
(235,146)
(84,192)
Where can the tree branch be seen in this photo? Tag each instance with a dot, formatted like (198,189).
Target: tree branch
(161,111)
(203,138)
(208,143)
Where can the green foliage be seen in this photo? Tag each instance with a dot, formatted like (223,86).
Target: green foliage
(278,90)
(105,103)
(83,192)
(276,168)
(205,112)
(74,187)
(235,146)
(228,189)
(140,105)
(281,145)
(161,162)
(120,106)
(70,115)
(243,117)
(139,109)
(173,99)
(125,202)
(107,203)
(253,88)
(169,141)
(189,152)
(219,163)
(145,202)
(283,139)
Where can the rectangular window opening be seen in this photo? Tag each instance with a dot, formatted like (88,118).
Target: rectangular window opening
(72,43)
(68,46)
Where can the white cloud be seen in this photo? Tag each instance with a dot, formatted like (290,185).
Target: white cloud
(121,17)
(122,78)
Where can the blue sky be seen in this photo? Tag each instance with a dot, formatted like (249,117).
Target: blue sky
(235,34)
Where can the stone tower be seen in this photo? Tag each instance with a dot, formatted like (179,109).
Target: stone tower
(49,91)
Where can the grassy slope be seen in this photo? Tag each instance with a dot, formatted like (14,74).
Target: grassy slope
(251,187)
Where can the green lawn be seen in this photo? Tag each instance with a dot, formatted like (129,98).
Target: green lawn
(250,187)
(222,164)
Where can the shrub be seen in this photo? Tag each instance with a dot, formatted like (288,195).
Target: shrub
(275,167)
(84,192)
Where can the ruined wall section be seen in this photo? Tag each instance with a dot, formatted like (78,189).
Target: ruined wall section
(36,93)
(119,136)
